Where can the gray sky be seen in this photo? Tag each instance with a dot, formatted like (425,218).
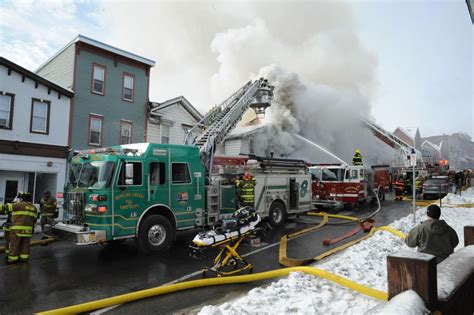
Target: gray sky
(415,69)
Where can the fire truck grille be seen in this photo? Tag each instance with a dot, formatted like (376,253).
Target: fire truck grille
(75,205)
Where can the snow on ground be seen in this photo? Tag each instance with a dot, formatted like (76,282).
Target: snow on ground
(365,263)
(405,303)
(466,196)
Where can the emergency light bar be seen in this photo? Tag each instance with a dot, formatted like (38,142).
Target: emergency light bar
(108,150)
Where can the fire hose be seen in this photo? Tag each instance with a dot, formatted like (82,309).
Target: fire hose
(134,296)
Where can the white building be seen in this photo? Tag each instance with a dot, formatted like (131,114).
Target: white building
(34,124)
(169,121)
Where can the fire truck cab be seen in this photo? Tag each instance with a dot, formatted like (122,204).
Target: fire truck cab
(336,185)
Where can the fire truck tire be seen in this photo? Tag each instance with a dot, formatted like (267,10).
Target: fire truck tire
(277,214)
(155,234)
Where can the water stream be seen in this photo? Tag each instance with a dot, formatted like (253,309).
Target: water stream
(320,148)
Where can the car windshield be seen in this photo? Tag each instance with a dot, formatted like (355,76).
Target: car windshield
(92,175)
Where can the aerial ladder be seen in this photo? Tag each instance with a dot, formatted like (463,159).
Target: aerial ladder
(220,120)
(403,149)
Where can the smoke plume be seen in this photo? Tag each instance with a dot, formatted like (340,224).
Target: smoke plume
(310,51)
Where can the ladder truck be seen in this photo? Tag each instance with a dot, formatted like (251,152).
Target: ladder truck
(150,192)
(404,150)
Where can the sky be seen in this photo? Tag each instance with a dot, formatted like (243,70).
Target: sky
(416,57)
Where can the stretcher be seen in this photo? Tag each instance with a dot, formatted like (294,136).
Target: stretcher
(228,261)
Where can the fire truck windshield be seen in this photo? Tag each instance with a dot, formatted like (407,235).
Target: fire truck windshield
(93,175)
(332,174)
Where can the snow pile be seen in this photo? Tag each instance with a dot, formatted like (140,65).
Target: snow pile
(453,271)
(466,196)
(408,302)
(365,263)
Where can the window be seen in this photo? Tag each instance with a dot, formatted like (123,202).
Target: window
(39,120)
(130,174)
(6,110)
(332,174)
(125,131)
(157,173)
(95,129)
(165,133)
(128,88)
(98,79)
(180,173)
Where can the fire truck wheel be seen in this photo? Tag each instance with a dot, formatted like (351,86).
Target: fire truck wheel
(156,234)
(277,214)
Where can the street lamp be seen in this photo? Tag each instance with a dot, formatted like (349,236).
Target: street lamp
(413,187)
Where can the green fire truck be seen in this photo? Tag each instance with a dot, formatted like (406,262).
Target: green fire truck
(151,191)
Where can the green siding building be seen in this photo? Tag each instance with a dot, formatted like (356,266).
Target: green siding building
(111,92)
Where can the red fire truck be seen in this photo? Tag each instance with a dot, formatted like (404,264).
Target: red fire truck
(336,185)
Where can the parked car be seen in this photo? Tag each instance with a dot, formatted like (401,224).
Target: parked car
(436,187)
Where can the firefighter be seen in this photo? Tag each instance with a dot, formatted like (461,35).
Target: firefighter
(399,188)
(419,185)
(7,210)
(357,159)
(24,216)
(48,210)
(246,189)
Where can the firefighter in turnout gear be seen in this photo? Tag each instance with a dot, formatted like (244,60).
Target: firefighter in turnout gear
(48,210)
(246,189)
(399,188)
(6,227)
(24,216)
(357,159)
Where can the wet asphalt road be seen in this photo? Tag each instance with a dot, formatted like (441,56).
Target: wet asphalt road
(63,274)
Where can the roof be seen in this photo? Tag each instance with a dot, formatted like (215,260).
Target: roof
(247,129)
(101,45)
(36,77)
(437,147)
(156,107)
(410,132)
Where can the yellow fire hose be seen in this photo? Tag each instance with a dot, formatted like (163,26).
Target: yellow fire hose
(134,296)
(129,297)
(292,262)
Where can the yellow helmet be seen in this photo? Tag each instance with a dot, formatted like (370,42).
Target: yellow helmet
(357,151)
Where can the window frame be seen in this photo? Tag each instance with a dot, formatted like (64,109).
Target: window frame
(12,107)
(161,133)
(101,118)
(92,79)
(48,115)
(189,173)
(126,74)
(122,166)
(125,122)
(159,173)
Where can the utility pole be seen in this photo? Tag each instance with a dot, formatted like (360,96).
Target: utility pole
(413,187)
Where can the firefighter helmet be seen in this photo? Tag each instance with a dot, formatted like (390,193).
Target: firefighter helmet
(24,195)
(248,176)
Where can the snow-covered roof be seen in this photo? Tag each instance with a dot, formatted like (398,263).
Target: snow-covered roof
(156,107)
(430,144)
(101,45)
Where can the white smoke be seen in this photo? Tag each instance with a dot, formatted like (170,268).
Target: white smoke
(310,51)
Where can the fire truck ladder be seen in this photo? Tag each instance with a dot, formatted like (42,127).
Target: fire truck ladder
(392,140)
(222,119)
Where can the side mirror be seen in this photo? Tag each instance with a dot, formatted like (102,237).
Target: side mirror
(128,171)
